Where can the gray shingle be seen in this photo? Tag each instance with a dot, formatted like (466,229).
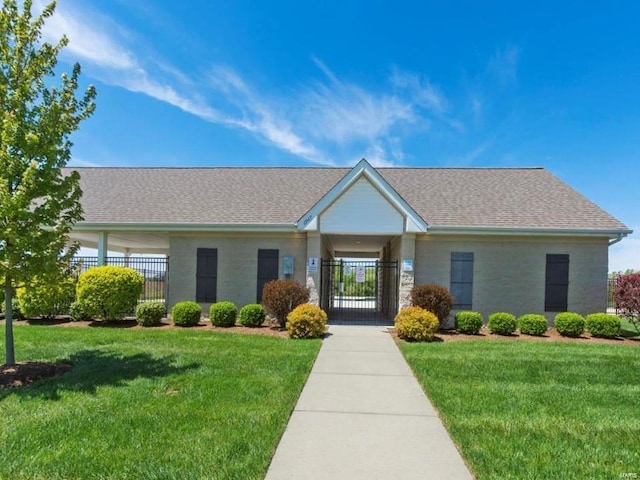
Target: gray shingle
(495,198)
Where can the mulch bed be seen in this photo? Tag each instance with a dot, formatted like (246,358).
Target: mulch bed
(550,336)
(265,329)
(25,373)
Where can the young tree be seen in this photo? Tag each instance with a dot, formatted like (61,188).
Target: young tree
(38,205)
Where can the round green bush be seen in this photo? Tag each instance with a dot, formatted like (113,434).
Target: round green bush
(223,314)
(251,315)
(306,321)
(468,322)
(416,324)
(569,324)
(603,325)
(46,298)
(77,314)
(149,314)
(109,292)
(433,298)
(533,324)
(186,314)
(502,323)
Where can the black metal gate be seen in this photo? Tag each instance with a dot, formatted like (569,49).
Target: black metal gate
(361,292)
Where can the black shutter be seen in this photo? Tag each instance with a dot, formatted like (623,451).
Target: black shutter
(462,279)
(207,275)
(556,283)
(268,260)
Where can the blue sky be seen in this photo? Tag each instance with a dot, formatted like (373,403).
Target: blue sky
(284,83)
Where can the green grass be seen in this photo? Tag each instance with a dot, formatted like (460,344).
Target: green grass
(150,404)
(628,330)
(533,410)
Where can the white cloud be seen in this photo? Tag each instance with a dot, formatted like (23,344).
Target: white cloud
(503,64)
(324,117)
(421,92)
(470,157)
(626,253)
(85,40)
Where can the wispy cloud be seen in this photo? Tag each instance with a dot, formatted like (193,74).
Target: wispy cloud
(339,119)
(503,64)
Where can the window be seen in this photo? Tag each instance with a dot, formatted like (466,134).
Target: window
(462,279)
(267,269)
(556,283)
(206,275)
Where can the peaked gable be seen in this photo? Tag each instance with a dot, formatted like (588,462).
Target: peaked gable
(368,183)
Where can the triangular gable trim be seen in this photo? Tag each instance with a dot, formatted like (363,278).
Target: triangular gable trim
(413,222)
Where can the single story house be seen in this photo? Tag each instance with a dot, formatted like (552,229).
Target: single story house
(501,239)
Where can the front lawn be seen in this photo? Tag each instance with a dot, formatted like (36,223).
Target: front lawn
(532,410)
(145,404)
(628,330)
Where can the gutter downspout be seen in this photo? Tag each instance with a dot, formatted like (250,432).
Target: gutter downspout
(616,240)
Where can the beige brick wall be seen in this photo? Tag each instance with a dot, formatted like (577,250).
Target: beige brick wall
(509,272)
(237,263)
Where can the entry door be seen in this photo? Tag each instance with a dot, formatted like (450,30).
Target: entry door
(268,261)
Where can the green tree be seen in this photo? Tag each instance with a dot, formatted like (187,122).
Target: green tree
(38,205)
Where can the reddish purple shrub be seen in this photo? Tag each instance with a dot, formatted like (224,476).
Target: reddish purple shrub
(280,297)
(627,297)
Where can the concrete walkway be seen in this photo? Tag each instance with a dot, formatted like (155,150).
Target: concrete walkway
(363,415)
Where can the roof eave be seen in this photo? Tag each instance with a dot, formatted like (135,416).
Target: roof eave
(183,227)
(530,231)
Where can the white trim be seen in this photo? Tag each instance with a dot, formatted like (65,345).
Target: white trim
(527,231)
(182,227)
(413,223)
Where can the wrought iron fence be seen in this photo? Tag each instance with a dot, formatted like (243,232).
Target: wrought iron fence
(612,283)
(155,271)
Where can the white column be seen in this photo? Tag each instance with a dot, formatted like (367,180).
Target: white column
(103,247)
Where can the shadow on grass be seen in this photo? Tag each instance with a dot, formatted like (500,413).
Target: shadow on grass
(94,368)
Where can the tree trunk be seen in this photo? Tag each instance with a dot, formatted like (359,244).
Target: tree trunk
(8,321)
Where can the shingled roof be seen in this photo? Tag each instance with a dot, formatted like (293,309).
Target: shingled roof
(513,198)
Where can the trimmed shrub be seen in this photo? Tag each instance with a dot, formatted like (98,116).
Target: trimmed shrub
(433,298)
(533,324)
(149,314)
(569,324)
(109,292)
(15,308)
(280,297)
(469,322)
(251,315)
(416,324)
(46,299)
(186,314)
(77,314)
(306,321)
(603,325)
(502,323)
(223,314)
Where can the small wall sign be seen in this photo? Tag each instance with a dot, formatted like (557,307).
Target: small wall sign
(312,265)
(407,265)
